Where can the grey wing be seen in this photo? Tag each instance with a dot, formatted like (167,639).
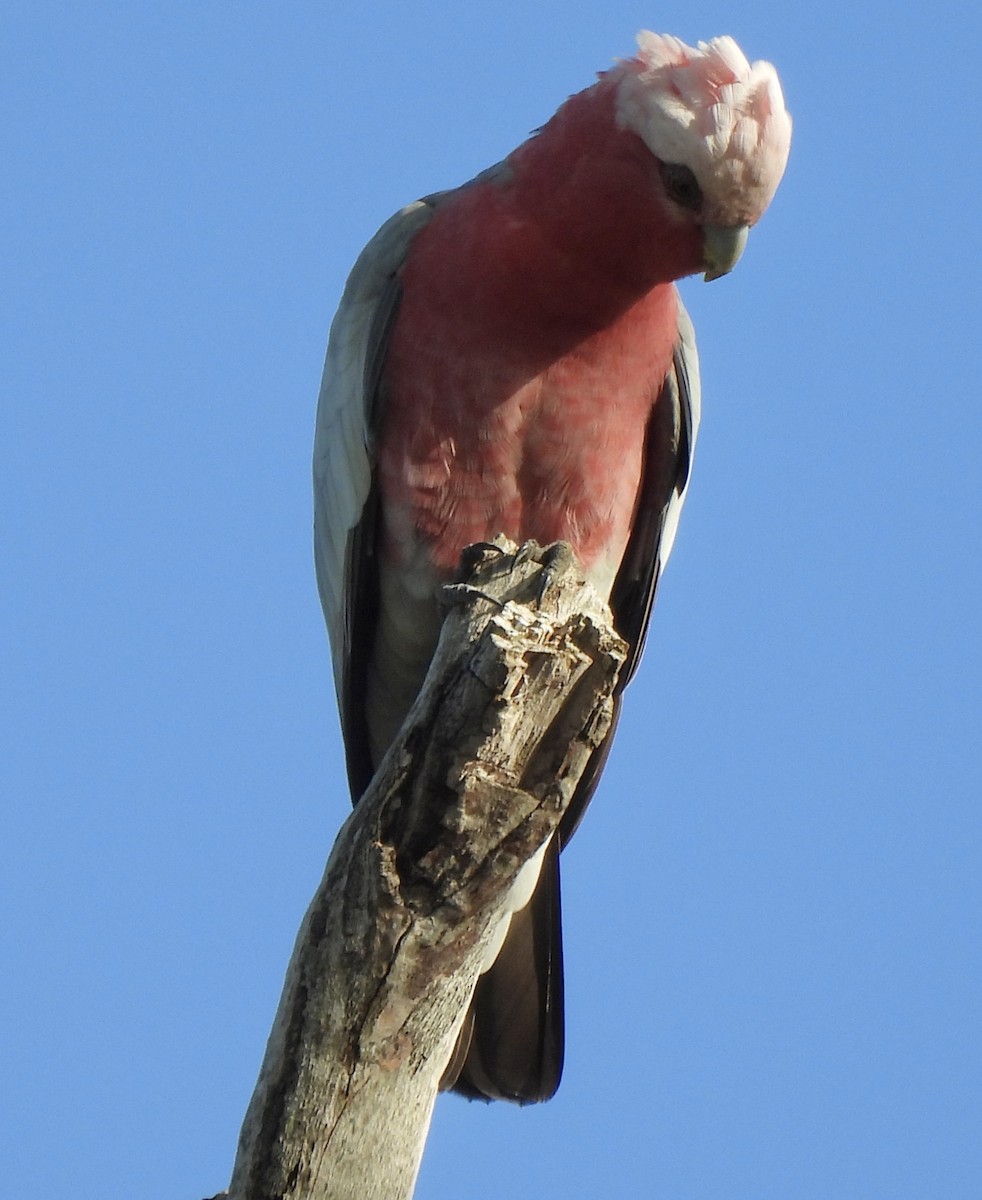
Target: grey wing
(346,417)
(669,449)
(345,498)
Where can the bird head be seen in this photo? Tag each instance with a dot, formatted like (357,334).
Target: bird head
(718,127)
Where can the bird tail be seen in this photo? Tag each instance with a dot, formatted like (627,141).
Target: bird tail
(511,1043)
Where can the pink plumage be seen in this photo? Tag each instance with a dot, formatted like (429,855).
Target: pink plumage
(512,357)
(535,328)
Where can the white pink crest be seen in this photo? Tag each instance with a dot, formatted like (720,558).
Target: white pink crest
(709,108)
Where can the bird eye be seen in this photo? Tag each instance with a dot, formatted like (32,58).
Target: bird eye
(681,185)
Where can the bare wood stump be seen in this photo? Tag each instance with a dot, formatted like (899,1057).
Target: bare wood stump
(516,700)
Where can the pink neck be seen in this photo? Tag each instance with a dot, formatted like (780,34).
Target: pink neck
(594,192)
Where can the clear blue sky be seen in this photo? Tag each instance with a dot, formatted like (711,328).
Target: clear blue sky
(773,908)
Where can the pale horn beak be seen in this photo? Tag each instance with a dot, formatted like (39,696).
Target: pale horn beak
(721,248)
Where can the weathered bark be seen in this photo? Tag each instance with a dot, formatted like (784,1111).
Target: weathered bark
(518,696)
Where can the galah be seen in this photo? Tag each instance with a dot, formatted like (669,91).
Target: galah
(512,357)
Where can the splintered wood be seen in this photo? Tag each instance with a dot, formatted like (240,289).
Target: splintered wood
(516,700)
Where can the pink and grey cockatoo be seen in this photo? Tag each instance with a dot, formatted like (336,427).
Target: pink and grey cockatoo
(512,356)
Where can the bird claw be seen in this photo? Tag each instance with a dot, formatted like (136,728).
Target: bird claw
(473,555)
(453,594)
(555,559)
(552,561)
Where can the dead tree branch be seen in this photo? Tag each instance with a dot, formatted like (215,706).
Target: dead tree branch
(518,697)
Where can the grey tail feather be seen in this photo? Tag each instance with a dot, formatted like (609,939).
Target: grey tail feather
(511,1043)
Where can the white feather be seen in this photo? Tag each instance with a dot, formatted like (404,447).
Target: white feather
(690,396)
(696,105)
